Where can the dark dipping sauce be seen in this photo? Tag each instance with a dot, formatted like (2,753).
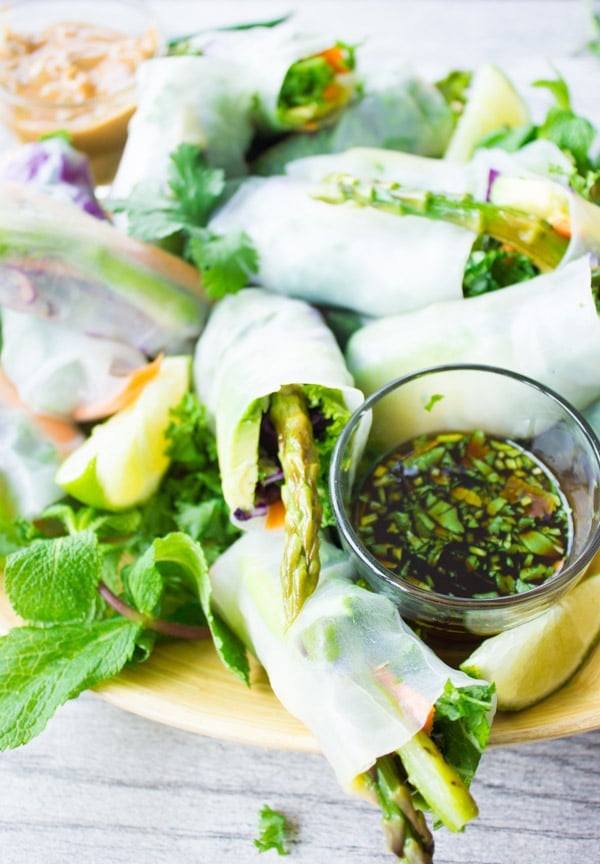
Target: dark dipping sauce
(464,515)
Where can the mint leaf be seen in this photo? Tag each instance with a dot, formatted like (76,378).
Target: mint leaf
(272,831)
(55,580)
(144,583)
(178,548)
(42,667)
(225,261)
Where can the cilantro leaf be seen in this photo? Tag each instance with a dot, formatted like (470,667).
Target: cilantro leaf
(42,667)
(329,415)
(193,477)
(490,267)
(55,580)
(462,725)
(180,213)
(196,187)
(273,831)
(226,261)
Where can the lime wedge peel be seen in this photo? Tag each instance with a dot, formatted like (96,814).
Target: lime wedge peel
(492,103)
(530,662)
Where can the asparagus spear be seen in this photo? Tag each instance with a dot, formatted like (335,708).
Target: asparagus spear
(527,234)
(300,465)
(391,783)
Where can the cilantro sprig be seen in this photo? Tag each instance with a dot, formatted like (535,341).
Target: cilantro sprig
(177,216)
(273,831)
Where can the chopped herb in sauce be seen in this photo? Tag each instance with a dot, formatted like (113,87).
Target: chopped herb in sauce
(464,515)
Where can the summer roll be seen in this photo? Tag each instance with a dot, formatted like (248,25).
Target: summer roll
(70,268)
(276,387)
(345,256)
(186,100)
(405,113)
(547,328)
(298,80)
(364,684)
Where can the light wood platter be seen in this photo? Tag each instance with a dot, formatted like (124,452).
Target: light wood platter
(184,685)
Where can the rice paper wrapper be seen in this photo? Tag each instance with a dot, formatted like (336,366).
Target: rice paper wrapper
(407,114)
(185,100)
(342,255)
(264,56)
(348,667)
(62,370)
(29,458)
(63,265)
(547,328)
(253,344)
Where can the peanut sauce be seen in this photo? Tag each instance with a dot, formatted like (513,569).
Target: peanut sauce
(76,77)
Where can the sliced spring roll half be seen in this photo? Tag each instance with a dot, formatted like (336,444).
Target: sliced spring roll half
(547,328)
(69,267)
(345,256)
(192,100)
(359,679)
(299,80)
(273,378)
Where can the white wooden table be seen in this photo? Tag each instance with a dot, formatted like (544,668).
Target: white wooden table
(102,785)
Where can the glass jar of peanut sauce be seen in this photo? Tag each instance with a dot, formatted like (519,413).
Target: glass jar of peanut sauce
(67,67)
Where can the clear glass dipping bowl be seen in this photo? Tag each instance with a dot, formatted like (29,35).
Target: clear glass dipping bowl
(500,403)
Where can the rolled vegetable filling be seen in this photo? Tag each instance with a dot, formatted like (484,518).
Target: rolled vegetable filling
(277,423)
(315,87)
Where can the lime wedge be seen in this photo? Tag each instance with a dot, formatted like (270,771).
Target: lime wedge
(492,103)
(533,660)
(123,461)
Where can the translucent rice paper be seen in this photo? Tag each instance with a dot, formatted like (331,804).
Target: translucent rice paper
(348,667)
(57,370)
(537,159)
(64,265)
(343,255)
(547,328)
(31,451)
(186,99)
(404,114)
(253,344)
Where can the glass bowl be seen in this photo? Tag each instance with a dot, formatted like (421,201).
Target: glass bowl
(78,78)
(503,407)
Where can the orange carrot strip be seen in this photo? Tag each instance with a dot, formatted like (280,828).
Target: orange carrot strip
(561,224)
(275,515)
(413,703)
(62,433)
(132,387)
(336,58)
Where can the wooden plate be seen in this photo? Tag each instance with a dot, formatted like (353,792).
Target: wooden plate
(185,685)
